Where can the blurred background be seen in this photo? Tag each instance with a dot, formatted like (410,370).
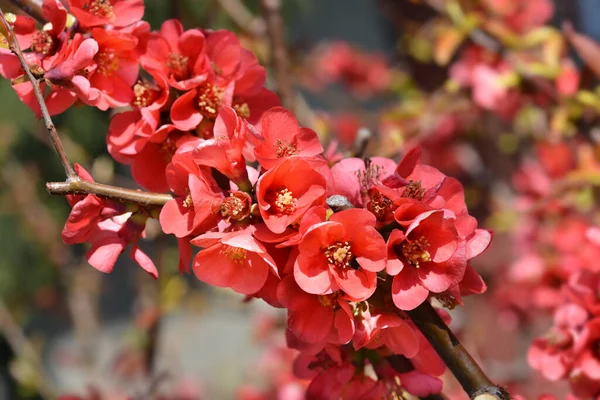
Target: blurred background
(377,64)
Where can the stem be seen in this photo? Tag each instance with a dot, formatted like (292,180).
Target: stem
(16,49)
(279,56)
(468,373)
(30,7)
(78,186)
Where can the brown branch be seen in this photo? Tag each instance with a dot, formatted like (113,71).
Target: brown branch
(73,184)
(16,49)
(30,7)
(79,186)
(243,18)
(468,373)
(279,55)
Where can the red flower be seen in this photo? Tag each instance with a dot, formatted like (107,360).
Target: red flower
(178,55)
(344,253)
(281,137)
(283,197)
(427,184)
(149,165)
(194,209)
(129,131)
(586,349)
(429,257)
(107,228)
(47,43)
(234,78)
(235,260)
(117,13)
(112,238)
(64,74)
(316,318)
(329,370)
(385,329)
(553,354)
(87,212)
(225,151)
(116,69)
(353,179)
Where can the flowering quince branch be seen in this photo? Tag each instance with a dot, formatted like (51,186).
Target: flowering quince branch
(14,46)
(468,373)
(79,186)
(355,249)
(74,185)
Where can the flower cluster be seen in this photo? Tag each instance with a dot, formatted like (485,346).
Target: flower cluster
(346,246)
(569,350)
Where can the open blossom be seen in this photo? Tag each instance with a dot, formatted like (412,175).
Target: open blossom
(109,229)
(283,197)
(87,212)
(130,131)
(429,256)
(316,318)
(281,137)
(116,69)
(233,78)
(149,166)
(376,329)
(64,72)
(234,259)
(225,151)
(344,253)
(329,371)
(193,210)
(117,13)
(178,55)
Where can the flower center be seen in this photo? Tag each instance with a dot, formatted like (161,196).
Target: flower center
(108,62)
(43,43)
(380,206)
(283,202)
(178,66)
(234,254)
(168,149)
(559,340)
(100,8)
(209,100)
(330,300)
(243,110)
(144,93)
(285,149)
(234,208)
(339,254)
(414,251)
(188,202)
(323,361)
(414,190)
